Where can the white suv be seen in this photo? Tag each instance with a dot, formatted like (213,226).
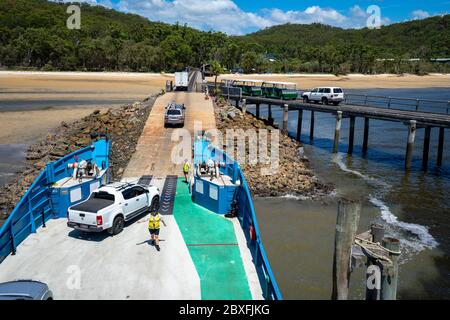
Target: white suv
(109,207)
(326,95)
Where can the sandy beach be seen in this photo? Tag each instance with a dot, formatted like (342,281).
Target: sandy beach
(353,81)
(33,103)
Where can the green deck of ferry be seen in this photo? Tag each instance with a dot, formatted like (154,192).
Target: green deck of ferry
(213,247)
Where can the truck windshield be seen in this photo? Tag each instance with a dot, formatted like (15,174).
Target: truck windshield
(174,112)
(103,195)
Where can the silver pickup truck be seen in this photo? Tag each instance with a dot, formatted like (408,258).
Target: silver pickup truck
(109,207)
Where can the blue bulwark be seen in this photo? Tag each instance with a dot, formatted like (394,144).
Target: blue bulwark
(45,200)
(236,189)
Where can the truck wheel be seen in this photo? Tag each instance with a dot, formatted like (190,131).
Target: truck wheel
(118,225)
(155,204)
(305,99)
(325,101)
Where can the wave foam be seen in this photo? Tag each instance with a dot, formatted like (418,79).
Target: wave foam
(421,232)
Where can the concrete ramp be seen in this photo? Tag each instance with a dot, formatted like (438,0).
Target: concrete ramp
(153,152)
(98,266)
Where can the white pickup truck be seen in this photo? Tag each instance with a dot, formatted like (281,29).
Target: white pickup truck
(326,95)
(109,207)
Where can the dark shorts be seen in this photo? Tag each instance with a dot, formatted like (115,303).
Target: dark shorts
(154,232)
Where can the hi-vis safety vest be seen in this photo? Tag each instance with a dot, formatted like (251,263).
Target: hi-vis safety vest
(153,222)
(186,168)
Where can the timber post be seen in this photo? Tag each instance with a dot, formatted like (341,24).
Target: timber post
(410,145)
(389,276)
(299,124)
(269,117)
(426,148)
(257,110)
(311,128)
(244,106)
(351,138)
(337,132)
(440,146)
(346,227)
(285,118)
(366,135)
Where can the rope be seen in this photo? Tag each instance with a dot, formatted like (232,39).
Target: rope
(368,247)
(397,253)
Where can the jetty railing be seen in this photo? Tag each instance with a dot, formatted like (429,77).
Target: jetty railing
(387,102)
(247,219)
(38,204)
(424,105)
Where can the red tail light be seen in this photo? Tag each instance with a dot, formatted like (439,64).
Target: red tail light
(99,220)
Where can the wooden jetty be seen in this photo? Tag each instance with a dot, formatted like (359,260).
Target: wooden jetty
(413,119)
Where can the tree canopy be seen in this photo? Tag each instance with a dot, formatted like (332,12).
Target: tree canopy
(33,35)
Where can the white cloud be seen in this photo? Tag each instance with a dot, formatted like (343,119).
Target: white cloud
(420,14)
(226,16)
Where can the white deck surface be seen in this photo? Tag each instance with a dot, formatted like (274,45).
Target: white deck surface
(122,267)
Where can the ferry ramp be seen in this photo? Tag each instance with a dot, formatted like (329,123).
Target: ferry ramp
(154,148)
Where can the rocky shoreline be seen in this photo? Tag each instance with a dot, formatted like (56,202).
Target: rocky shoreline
(294,178)
(124,126)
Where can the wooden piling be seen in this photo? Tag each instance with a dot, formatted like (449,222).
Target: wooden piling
(285,118)
(311,128)
(299,124)
(410,145)
(389,276)
(337,132)
(351,138)
(440,146)
(426,148)
(366,135)
(237,104)
(269,116)
(346,226)
(244,107)
(257,110)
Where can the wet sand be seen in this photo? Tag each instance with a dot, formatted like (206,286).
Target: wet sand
(33,103)
(353,81)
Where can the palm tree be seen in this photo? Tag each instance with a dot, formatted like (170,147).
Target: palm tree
(216,70)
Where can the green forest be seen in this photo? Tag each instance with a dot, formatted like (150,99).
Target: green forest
(34,36)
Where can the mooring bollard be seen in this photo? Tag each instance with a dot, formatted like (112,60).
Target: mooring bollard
(337,132)
(346,226)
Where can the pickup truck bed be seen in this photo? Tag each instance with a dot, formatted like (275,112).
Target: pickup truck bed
(93,205)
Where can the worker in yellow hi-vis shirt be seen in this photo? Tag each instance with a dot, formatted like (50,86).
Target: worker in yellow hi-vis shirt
(154,226)
(186,168)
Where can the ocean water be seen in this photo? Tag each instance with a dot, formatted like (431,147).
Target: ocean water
(414,206)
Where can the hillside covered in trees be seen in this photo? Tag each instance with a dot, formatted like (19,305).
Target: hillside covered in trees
(33,35)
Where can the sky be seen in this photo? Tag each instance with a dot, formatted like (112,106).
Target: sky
(237,17)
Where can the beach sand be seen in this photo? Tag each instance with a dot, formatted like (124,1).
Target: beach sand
(68,96)
(33,103)
(352,81)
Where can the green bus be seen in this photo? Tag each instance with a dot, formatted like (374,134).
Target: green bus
(280,90)
(249,87)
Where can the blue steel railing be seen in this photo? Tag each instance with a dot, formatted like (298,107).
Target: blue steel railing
(36,206)
(246,215)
